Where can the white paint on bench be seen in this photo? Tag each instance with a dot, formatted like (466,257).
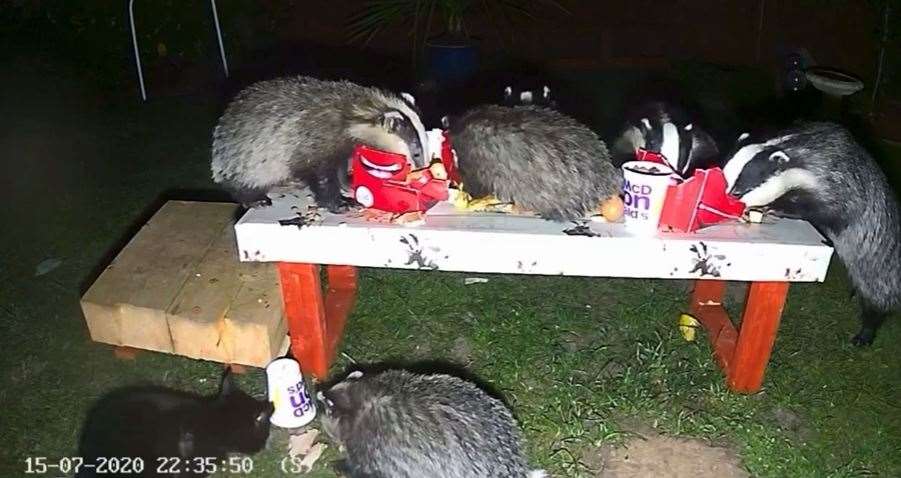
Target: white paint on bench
(785,250)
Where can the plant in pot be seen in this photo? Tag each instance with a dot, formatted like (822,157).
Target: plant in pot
(452,55)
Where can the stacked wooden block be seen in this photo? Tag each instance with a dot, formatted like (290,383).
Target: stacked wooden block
(178,287)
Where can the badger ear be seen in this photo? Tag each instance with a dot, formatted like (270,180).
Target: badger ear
(408,98)
(356,374)
(703,145)
(392,120)
(546,92)
(445,122)
(646,123)
(337,399)
(779,157)
(508,91)
(743,136)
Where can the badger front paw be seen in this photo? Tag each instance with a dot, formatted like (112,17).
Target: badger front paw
(341,205)
(864,338)
(257,203)
(253,198)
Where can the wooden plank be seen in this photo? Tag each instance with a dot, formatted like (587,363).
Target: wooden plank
(256,330)
(197,315)
(127,304)
(706,306)
(305,313)
(785,250)
(759,324)
(340,297)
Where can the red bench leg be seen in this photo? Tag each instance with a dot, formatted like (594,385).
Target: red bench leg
(316,320)
(742,354)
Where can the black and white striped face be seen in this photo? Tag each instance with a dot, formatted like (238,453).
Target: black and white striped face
(400,125)
(682,146)
(760,172)
(397,130)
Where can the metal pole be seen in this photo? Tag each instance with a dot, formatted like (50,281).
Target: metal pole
(762,9)
(219,36)
(134,41)
(886,13)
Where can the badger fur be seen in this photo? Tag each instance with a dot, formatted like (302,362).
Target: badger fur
(817,172)
(665,128)
(401,424)
(538,158)
(294,130)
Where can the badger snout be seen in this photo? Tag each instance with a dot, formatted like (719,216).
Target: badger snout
(738,190)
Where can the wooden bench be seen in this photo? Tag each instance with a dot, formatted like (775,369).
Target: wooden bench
(177,287)
(769,256)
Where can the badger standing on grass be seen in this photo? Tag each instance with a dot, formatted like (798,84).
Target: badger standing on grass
(286,131)
(664,128)
(404,425)
(537,158)
(817,172)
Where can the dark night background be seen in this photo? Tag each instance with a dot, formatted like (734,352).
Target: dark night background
(84,162)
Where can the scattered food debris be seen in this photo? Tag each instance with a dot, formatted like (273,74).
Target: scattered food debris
(474,280)
(306,465)
(303,443)
(414,218)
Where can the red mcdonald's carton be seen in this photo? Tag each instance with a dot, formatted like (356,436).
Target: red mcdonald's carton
(698,202)
(382,180)
(448,158)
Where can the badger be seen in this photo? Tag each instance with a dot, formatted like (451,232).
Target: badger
(301,130)
(408,425)
(535,157)
(517,95)
(665,128)
(816,171)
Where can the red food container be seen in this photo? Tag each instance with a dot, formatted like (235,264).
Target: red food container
(698,202)
(645,155)
(379,180)
(448,158)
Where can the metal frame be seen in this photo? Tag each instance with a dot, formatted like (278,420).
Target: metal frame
(134,41)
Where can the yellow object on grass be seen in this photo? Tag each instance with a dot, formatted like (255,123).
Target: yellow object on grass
(687,326)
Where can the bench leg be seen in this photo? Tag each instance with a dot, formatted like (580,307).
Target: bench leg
(122,352)
(744,353)
(316,319)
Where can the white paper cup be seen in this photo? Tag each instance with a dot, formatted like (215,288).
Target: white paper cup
(287,391)
(643,195)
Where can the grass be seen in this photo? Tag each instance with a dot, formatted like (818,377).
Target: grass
(581,361)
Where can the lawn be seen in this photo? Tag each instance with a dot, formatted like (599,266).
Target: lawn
(584,363)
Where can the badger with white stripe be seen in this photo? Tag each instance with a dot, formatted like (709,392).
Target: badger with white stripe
(293,130)
(817,172)
(664,128)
